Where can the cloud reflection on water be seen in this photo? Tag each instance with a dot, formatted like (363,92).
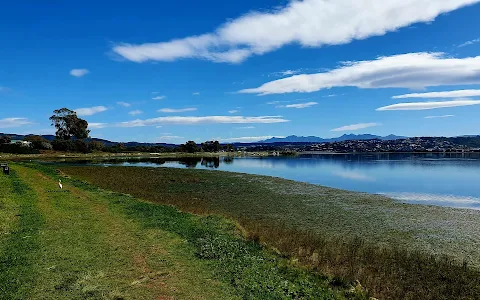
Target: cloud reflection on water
(436,199)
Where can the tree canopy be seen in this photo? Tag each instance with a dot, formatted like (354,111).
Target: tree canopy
(69,125)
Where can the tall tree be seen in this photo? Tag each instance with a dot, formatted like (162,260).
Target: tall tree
(69,125)
(190,147)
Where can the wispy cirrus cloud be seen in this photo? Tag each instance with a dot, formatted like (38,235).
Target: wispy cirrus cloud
(135,112)
(285,73)
(276,102)
(233,111)
(88,111)
(168,138)
(97,125)
(245,127)
(247,139)
(4,89)
(124,104)
(429,105)
(79,72)
(412,70)
(196,93)
(447,94)
(159,97)
(177,120)
(176,110)
(14,122)
(436,117)
(257,33)
(356,127)
(299,105)
(468,43)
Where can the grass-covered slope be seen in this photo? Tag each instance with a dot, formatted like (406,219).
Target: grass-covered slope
(396,250)
(82,242)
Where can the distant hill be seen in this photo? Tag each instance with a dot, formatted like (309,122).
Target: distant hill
(105,142)
(345,137)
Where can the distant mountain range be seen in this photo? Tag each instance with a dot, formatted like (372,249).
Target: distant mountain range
(470,140)
(345,137)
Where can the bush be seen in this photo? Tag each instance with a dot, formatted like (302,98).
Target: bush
(38,142)
(17,149)
(63,145)
(5,139)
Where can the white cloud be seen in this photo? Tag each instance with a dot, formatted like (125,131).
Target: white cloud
(429,105)
(159,97)
(412,70)
(203,120)
(444,116)
(167,138)
(79,72)
(448,94)
(88,111)
(356,127)
(135,112)
(310,23)
(124,104)
(469,43)
(14,122)
(97,125)
(233,111)
(196,93)
(299,105)
(285,73)
(246,127)
(247,139)
(173,110)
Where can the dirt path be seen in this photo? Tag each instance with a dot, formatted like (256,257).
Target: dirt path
(80,246)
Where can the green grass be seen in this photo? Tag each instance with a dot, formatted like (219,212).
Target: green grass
(72,244)
(21,224)
(90,243)
(397,251)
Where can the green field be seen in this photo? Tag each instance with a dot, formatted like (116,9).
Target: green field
(82,242)
(397,251)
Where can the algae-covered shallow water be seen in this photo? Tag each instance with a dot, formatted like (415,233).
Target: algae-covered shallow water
(450,180)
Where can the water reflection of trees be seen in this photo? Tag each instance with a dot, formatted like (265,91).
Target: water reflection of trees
(211,162)
(189,162)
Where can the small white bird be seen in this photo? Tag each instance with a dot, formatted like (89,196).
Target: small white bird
(60,183)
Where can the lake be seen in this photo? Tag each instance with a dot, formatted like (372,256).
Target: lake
(451,180)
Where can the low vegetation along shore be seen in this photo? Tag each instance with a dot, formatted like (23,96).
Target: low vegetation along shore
(276,239)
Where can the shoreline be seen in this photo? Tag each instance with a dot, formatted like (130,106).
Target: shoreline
(8,156)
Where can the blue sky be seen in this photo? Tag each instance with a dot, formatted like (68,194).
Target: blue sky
(171,71)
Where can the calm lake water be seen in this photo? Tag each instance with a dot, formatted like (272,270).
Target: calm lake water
(451,180)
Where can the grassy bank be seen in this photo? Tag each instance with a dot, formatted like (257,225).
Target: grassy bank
(83,242)
(397,251)
(57,155)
